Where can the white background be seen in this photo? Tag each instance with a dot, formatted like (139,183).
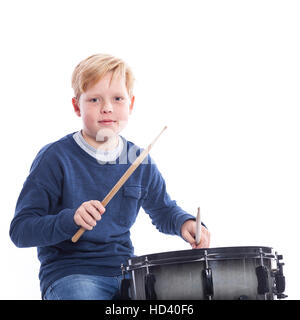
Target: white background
(223,75)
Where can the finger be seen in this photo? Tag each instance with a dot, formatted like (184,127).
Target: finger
(202,244)
(87,217)
(189,238)
(205,239)
(93,211)
(80,222)
(98,205)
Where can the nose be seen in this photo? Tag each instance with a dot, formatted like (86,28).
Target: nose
(107,108)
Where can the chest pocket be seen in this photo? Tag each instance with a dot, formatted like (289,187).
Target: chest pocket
(132,197)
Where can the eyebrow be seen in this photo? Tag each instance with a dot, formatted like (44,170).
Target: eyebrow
(98,94)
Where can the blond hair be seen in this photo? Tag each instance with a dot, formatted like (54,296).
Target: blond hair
(90,70)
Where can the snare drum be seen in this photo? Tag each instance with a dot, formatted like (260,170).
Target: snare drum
(225,273)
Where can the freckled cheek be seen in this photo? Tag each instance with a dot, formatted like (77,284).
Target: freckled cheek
(122,120)
(122,115)
(89,118)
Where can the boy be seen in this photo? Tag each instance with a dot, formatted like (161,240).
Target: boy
(69,177)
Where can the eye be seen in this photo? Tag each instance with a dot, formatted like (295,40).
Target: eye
(94,100)
(119,98)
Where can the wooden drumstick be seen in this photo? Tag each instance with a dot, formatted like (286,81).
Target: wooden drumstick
(122,180)
(198,227)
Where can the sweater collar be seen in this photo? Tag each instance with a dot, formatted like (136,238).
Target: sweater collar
(98,154)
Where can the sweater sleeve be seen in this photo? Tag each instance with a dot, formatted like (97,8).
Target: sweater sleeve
(164,212)
(34,224)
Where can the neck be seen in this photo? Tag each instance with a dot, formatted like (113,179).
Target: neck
(106,143)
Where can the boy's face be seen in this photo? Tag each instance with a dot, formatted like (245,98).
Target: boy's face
(104,108)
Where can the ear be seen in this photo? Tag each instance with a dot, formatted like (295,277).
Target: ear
(76,106)
(131,104)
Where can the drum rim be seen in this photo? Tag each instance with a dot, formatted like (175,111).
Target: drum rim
(194,255)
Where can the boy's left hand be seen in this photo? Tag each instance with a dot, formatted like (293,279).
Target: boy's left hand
(188,232)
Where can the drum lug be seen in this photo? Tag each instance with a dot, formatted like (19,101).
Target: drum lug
(262,277)
(207,279)
(123,269)
(125,285)
(149,283)
(279,278)
(263,280)
(208,283)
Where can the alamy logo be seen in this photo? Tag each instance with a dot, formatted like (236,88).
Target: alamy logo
(125,155)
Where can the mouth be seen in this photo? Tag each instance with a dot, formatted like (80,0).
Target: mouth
(107,121)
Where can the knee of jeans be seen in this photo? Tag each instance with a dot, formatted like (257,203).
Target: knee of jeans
(81,287)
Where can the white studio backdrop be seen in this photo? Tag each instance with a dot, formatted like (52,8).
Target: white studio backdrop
(222,75)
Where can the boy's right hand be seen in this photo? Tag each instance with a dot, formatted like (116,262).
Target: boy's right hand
(88,214)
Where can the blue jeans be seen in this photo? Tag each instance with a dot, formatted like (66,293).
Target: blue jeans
(84,287)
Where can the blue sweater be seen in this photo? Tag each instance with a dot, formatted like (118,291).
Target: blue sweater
(61,178)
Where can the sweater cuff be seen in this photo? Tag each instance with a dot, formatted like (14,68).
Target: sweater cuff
(184,219)
(67,222)
(181,221)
